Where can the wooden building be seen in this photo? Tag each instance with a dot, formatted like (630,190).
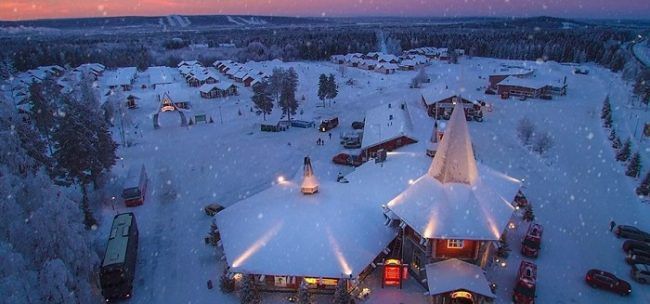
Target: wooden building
(218,90)
(440,103)
(458,210)
(386,127)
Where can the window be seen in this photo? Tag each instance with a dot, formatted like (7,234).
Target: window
(416,264)
(455,243)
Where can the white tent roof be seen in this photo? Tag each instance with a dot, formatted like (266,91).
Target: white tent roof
(337,232)
(457,199)
(386,122)
(454,274)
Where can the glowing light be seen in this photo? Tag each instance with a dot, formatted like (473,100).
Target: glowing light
(261,242)
(237,276)
(512,225)
(411,182)
(345,267)
(503,264)
(281,179)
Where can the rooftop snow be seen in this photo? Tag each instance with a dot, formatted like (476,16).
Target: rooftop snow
(386,122)
(454,274)
(457,199)
(123,76)
(337,232)
(536,82)
(504,71)
(432,95)
(160,75)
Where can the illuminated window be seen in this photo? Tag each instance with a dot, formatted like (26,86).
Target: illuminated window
(455,243)
(416,264)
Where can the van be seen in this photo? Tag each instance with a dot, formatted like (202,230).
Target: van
(135,186)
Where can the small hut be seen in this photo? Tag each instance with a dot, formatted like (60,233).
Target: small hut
(309,182)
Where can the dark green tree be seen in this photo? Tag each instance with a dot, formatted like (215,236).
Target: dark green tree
(624,153)
(644,187)
(634,167)
(341,294)
(262,99)
(249,293)
(322,88)
(332,87)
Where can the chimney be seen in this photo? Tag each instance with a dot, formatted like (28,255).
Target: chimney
(309,182)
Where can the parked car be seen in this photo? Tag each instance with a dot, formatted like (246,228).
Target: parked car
(532,241)
(604,280)
(213,209)
(631,232)
(524,292)
(636,256)
(640,273)
(347,159)
(328,124)
(357,125)
(634,244)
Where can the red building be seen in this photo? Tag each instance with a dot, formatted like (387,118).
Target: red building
(387,127)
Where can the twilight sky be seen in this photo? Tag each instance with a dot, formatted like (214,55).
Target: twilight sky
(38,9)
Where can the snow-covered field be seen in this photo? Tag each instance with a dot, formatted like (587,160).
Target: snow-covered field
(576,188)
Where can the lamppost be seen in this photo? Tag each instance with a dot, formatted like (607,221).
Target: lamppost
(113,203)
(220,116)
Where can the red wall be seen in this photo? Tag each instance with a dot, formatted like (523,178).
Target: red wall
(467,252)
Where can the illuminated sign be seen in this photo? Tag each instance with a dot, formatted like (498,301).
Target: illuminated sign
(394,272)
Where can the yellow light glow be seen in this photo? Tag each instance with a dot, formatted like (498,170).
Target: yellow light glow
(257,245)
(503,264)
(512,225)
(392,262)
(345,267)
(461,295)
(411,182)
(281,179)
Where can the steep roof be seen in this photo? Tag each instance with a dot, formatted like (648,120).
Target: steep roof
(454,161)
(456,198)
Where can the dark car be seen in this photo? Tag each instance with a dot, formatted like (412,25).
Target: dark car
(532,241)
(604,280)
(212,209)
(636,256)
(634,244)
(347,159)
(631,232)
(641,273)
(357,125)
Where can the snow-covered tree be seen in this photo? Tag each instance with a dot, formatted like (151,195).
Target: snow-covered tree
(332,87)
(612,134)
(322,88)
(607,108)
(304,296)
(288,102)
(543,142)
(56,283)
(419,79)
(262,99)
(7,69)
(525,130)
(226,283)
(44,99)
(616,143)
(341,294)
(634,167)
(249,293)
(624,152)
(644,187)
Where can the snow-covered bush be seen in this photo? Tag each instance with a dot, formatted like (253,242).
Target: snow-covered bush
(525,130)
(542,143)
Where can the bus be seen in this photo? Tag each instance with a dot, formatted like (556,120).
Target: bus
(118,267)
(135,186)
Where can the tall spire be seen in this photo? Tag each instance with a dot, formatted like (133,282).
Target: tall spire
(454,161)
(309,181)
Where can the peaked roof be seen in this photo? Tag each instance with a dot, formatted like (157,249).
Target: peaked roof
(454,274)
(454,161)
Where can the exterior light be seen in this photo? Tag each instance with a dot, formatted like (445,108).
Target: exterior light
(512,225)
(281,179)
(411,182)
(503,264)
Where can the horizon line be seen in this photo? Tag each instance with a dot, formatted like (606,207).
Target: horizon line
(335,17)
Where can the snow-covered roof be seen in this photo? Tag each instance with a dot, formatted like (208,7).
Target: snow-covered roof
(434,94)
(454,274)
(189,63)
(240,74)
(95,68)
(537,82)
(369,62)
(224,85)
(515,71)
(387,66)
(457,198)
(387,57)
(337,232)
(123,76)
(386,122)
(407,63)
(160,75)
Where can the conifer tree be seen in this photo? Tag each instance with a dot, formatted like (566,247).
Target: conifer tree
(262,99)
(624,153)
(634,167)
(341,294)
(644,187)
(226,283)
(616,143)
(607,108)
(322,88)
(249,293)
(332,88)
(612,134)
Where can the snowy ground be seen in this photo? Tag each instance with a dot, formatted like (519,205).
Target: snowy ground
(577,188)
